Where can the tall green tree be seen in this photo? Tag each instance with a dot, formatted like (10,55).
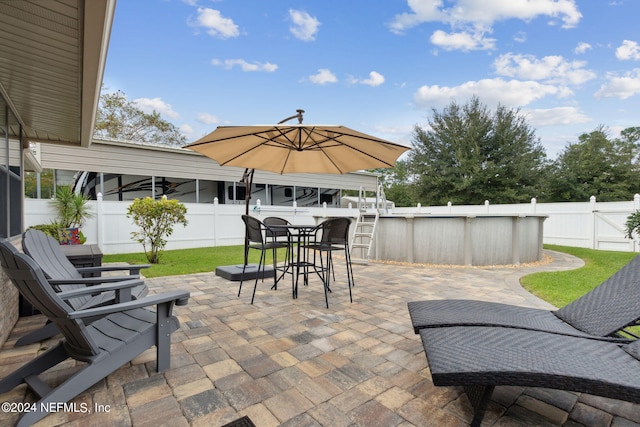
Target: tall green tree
(469,154)
(629,145)
(120,118)
(46,184)
(597,166)
(396,183)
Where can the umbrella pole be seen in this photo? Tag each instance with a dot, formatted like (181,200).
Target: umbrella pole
(235,272)
(248,182)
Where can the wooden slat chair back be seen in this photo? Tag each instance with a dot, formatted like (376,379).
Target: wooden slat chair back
(122,332)
(45,250)
(32,285)
(63,276)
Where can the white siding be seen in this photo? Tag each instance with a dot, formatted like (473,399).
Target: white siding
(137,159)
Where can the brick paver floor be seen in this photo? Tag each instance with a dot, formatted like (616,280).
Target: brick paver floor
(286,362)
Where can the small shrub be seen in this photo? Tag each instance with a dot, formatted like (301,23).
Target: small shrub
(58,232)
(633,224)
(54,230)
(156,219)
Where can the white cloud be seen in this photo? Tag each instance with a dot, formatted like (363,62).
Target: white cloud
(187,131)
(244,65)
(552,69)
(216,25)
(485,13)
(628,50)
(464,41)
(323,76)
(149,105)
(304,25)
(582,48)
(478,16)
(207,119)
(520,37)
(511,93)
(555,116)
(621,87)
(421,11)
(375,79)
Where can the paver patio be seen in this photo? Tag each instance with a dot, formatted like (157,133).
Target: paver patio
(287,362)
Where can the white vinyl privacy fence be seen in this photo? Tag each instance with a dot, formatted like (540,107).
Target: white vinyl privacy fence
(592,224)
(210,224)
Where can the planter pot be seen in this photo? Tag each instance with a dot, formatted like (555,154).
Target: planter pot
(70,236)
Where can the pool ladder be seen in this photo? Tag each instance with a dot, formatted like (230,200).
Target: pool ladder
(362,240)
(366,223)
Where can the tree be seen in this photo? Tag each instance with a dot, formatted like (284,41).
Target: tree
(46,184)
(629,146)
(470,154)
(596,166)
(396,184)
(121,119)
(156,219)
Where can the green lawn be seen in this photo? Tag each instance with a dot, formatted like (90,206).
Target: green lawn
(561,287)
(558,288)
(186,261)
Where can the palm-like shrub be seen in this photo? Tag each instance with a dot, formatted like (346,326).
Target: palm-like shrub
(72,209)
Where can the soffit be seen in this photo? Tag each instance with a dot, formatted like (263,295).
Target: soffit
(52,55)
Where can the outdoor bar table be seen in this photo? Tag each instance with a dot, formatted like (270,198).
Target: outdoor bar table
(301,235)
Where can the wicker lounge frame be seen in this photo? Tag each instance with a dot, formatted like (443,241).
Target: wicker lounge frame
(602,312)
(480,358)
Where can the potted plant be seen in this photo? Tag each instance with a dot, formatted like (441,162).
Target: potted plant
(73,211)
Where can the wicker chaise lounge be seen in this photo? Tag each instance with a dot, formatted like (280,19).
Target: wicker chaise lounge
(480,358)
(607,309)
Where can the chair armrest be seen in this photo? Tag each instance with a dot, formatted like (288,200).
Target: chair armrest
(90,290)
(177,297)
(92,281)
(133,269)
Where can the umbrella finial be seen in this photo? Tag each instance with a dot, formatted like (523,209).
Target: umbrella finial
(300,113)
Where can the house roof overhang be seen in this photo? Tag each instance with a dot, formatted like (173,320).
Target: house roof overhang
(52,59)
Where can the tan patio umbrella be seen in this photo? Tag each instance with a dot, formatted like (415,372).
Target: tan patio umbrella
(297,148)
(286,148)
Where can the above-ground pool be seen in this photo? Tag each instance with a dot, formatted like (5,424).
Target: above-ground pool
(489,239)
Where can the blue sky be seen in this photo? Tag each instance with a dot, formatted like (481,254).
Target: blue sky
(379,66)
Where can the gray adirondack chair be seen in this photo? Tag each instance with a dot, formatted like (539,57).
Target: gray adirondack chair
(122,332)
(603,312)
(64,276)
